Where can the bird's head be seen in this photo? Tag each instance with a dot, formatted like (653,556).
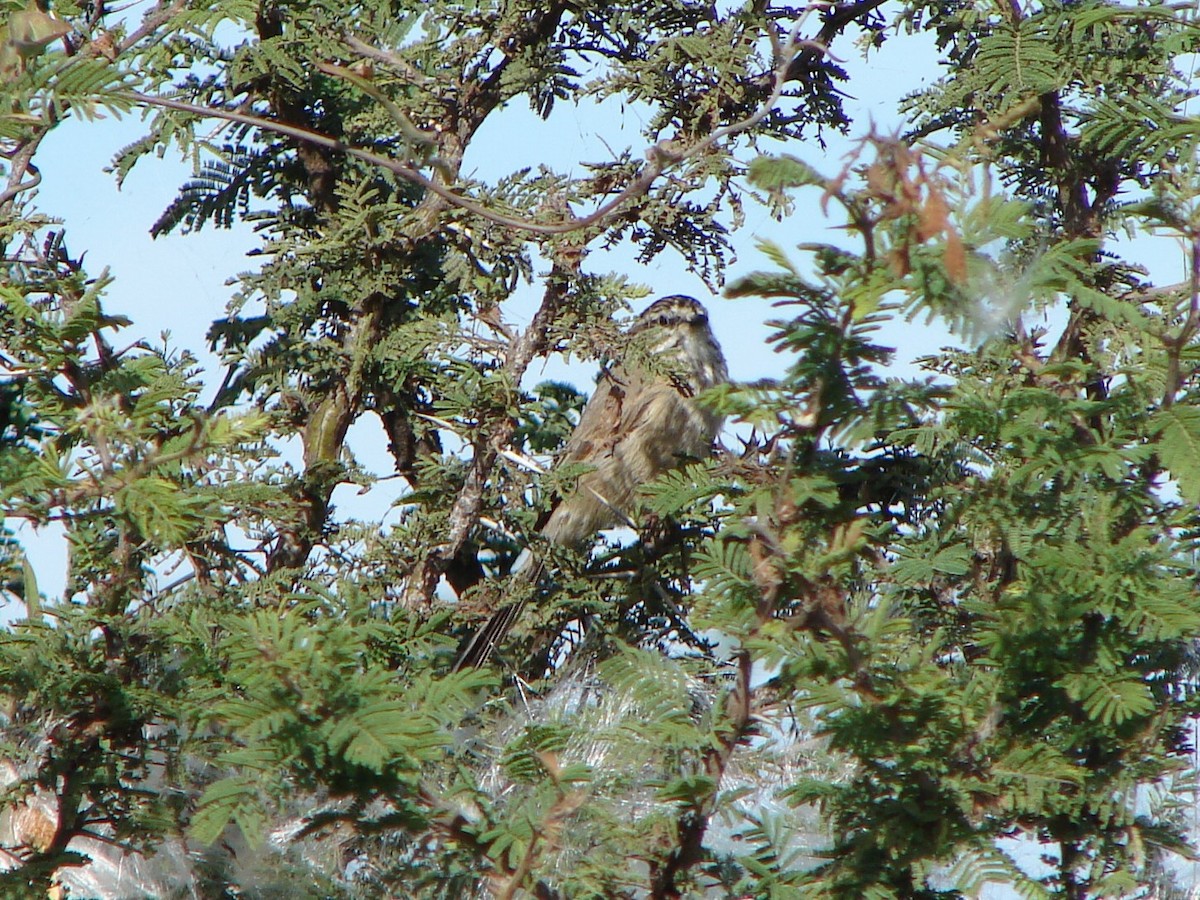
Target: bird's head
(675,331)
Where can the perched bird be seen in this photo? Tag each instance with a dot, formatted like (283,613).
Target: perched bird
(642,420)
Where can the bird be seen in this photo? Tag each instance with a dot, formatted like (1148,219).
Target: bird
(642,420)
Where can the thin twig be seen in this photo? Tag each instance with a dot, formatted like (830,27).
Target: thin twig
(21,186)
(20,162)
(399,63)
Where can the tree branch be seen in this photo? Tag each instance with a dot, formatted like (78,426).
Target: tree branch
(693,821)
(467,505)
(660,156)
(1187,331)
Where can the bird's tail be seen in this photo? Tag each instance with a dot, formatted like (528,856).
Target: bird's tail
(480,646)
(483,643)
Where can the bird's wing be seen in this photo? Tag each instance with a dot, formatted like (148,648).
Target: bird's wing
(605,417)
(631,431)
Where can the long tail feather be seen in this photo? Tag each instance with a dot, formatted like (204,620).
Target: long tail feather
(479,648)
(483,643)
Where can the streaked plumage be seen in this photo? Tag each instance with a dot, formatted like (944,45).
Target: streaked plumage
(641,421)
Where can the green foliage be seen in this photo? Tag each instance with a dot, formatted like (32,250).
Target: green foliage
(1007,642)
